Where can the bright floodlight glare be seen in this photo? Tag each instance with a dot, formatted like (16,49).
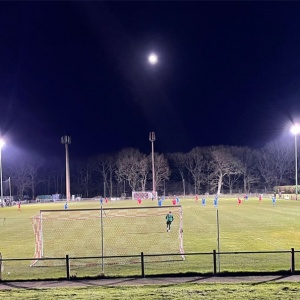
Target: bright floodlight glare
(295,129)
(152,59)
(2,143)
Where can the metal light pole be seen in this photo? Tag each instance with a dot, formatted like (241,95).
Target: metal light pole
(9,188)
(296,167)
(67,140)
(152,139)
(2,143)
(295,129)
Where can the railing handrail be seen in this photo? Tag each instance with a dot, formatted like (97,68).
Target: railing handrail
(156,254)
(214,254)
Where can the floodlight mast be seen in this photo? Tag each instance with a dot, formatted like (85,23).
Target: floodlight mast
(295,129)
(152,139)
(296,167)
(66,140)
(2,143)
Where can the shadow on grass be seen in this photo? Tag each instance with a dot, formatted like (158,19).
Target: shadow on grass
(161,279)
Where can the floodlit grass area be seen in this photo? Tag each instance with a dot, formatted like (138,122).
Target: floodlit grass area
(251,226)
(266,291)
(123,233)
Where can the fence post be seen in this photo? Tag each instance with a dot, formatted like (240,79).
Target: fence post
(215,261)
(68,266)
(0,266)
(292,261)
(142,265)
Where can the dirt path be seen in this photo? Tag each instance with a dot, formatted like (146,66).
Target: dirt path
(144,281)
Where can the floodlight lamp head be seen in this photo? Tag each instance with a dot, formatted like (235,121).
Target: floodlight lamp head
(66,139)
(152,58)
(152,136)
(295,129)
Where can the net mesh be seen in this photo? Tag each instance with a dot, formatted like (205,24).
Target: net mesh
(107,232)
(144,195)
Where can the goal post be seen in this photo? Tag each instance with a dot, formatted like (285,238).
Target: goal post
(108,232)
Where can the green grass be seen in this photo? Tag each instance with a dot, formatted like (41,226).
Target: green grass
(252,226)
(205,291)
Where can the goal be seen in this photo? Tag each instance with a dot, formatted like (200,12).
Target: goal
(144,195)
(107,232)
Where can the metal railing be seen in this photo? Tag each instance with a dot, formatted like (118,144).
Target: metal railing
(142,265)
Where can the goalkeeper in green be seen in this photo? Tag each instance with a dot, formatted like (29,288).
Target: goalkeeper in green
(169,218)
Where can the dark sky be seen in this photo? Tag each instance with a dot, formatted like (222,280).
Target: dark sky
(228,73)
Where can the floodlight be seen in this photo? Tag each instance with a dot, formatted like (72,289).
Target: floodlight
(295,129)
(2,143)
(152,58)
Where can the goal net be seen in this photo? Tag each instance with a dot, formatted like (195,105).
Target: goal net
(108,232)
(144,195)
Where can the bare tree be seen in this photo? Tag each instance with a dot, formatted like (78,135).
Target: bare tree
(111,161)
(248,166)
(46,180)
(33,168)
(104,165)
(129,165)
(83,177)
(224,164)
(57,177)
(144,171)
(275,162)
(19,174)
(280,155)
(178,161)
(162,170)
(231,179)
(196,162)
(267,169)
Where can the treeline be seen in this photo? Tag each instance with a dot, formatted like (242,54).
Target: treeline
(215,169)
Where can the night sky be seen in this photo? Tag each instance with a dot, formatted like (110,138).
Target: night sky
(228,73)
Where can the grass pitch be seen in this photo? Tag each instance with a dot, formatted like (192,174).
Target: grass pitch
(250,226)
